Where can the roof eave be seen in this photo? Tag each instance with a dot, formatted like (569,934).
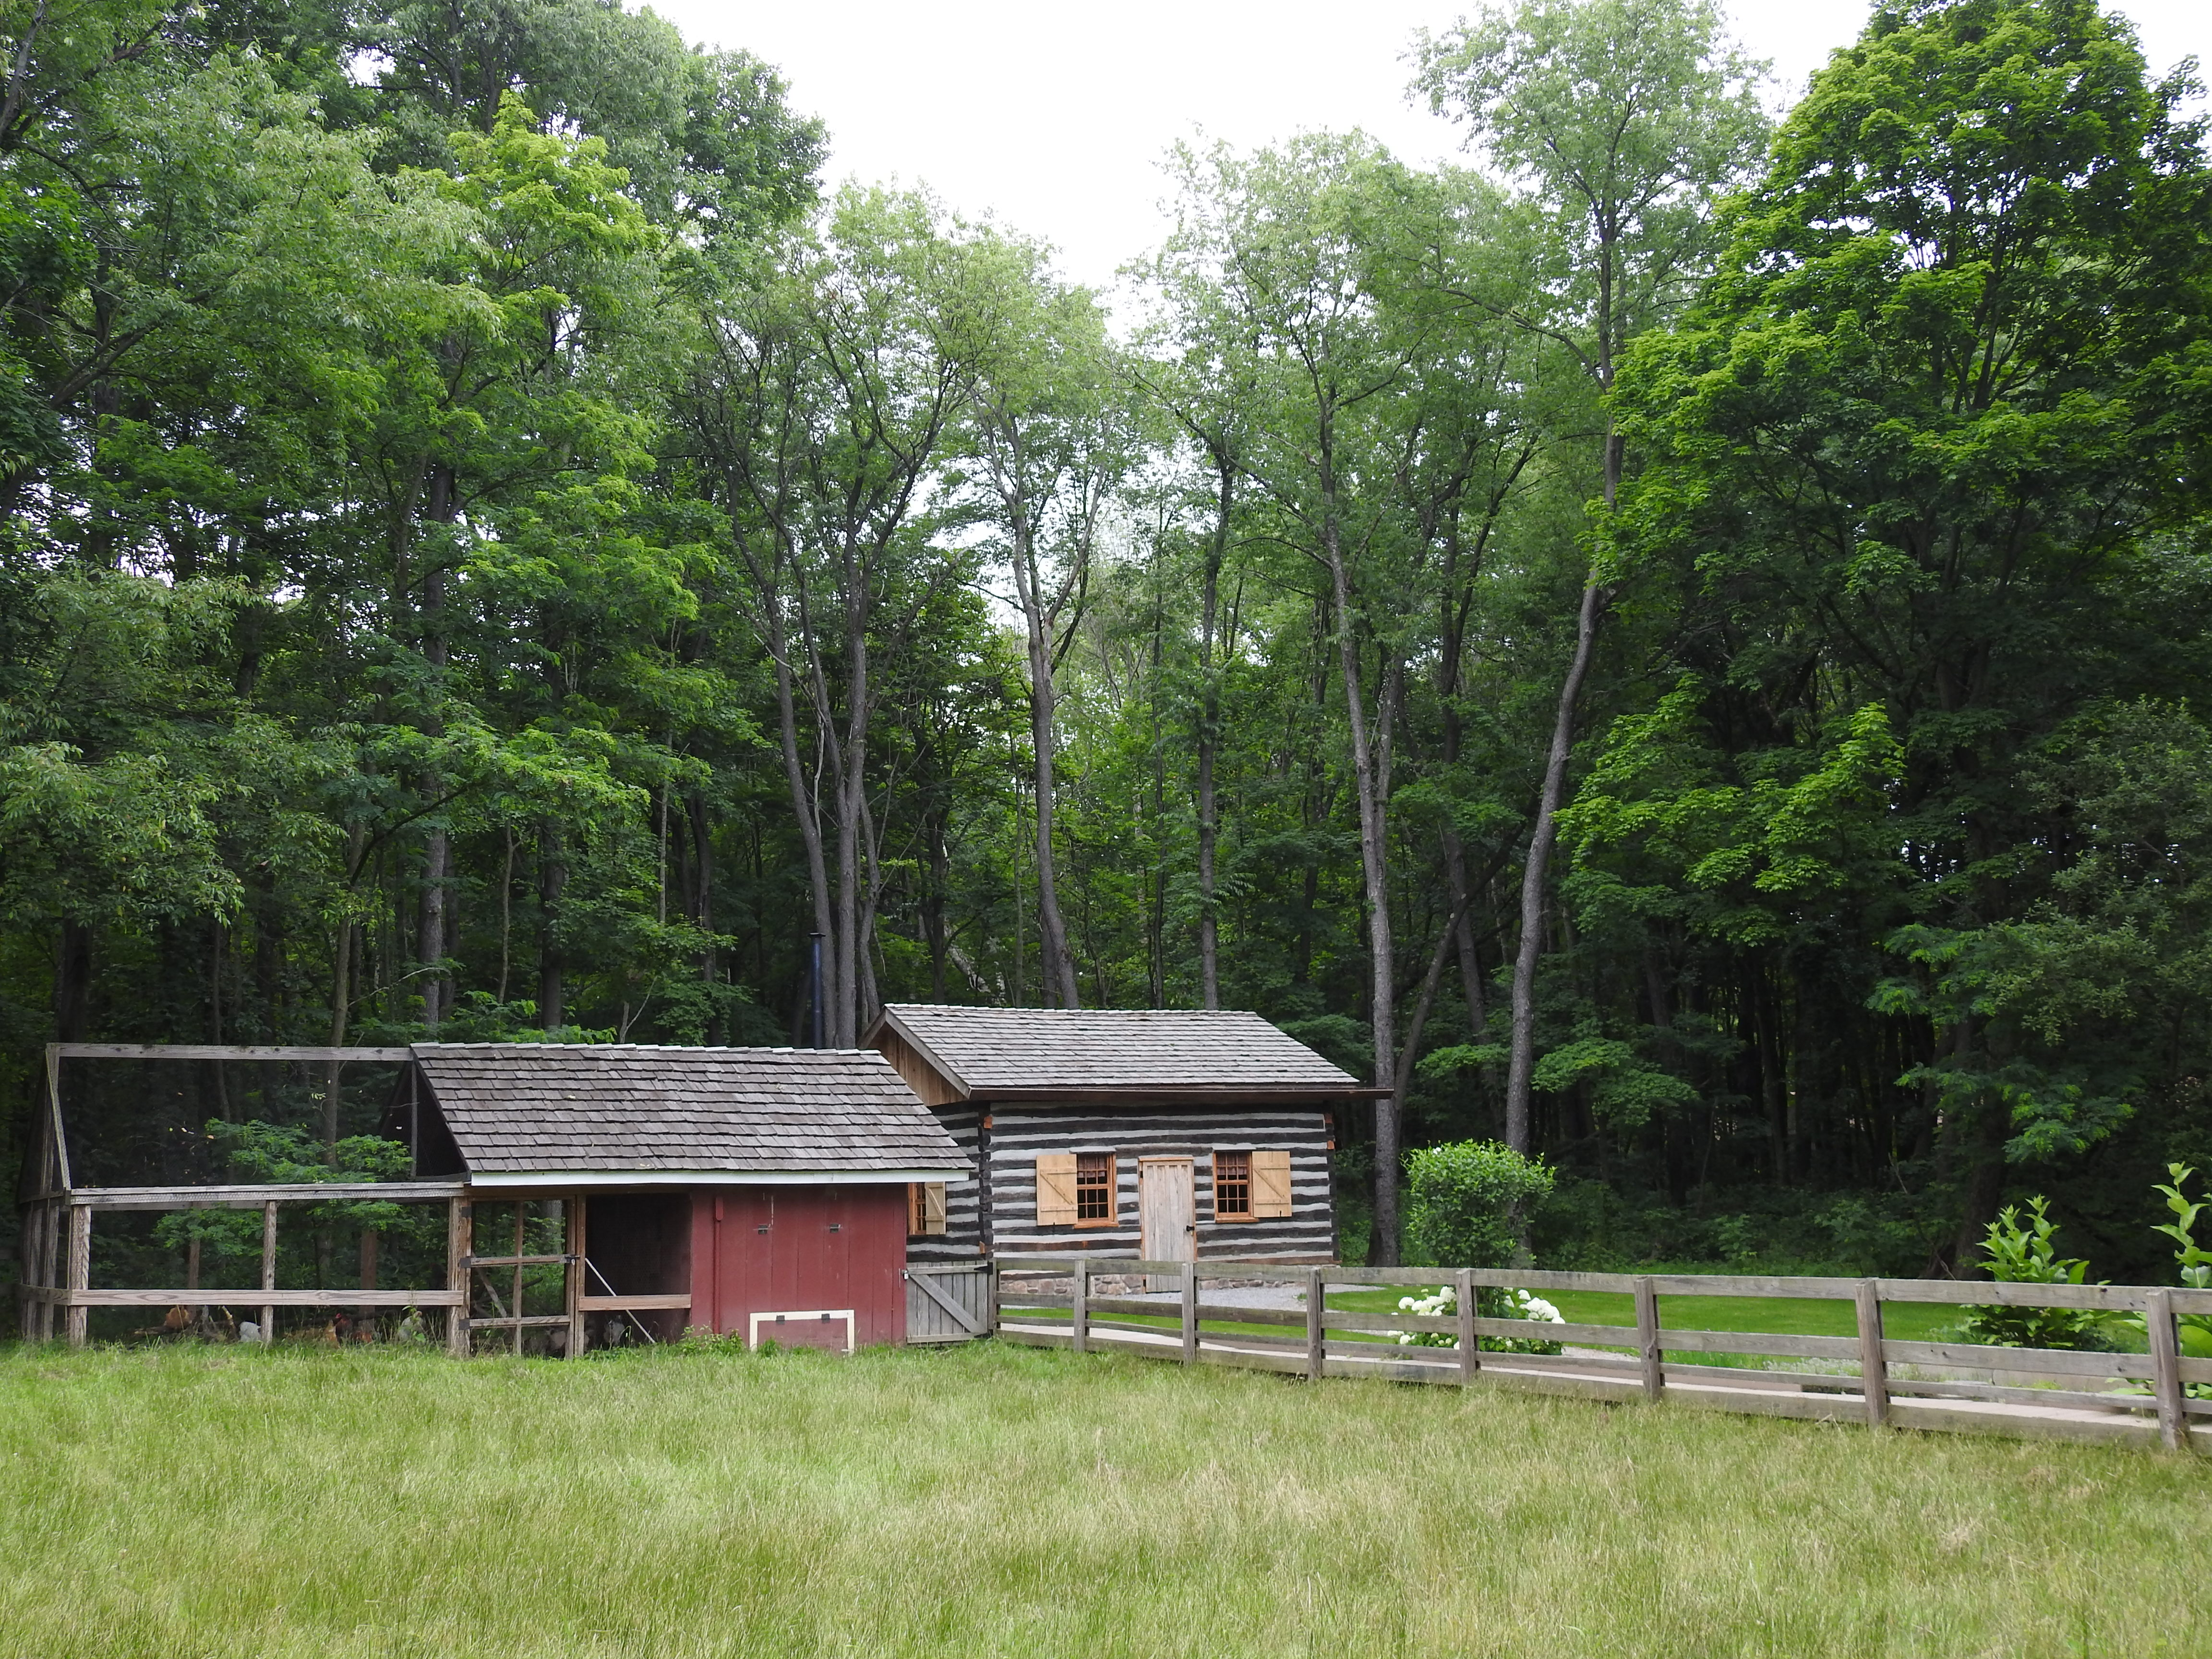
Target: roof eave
(1160,1094)
(587,1180)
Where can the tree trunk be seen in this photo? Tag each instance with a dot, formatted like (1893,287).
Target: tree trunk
(552,879)
(431,934)
(1209,739)
(1371,763)
(1057,969)
(1523,1063)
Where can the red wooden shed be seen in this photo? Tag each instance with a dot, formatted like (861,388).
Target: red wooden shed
(760,1192)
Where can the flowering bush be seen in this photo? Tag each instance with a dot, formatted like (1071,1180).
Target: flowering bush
(1491,1304)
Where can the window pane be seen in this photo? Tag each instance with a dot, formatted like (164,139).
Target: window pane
(1232,1185)
(1094,1187)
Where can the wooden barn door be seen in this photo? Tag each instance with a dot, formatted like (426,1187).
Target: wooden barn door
(1168,1215)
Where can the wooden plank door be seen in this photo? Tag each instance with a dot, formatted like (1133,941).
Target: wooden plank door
(1168,1212)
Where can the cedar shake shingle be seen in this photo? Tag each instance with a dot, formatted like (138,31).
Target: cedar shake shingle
(996,1049)
(517,1108)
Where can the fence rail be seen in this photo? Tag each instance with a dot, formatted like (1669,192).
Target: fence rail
(1868,1377)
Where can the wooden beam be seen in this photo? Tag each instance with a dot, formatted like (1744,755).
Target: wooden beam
(1079,1329)
(62,1296)
(572,1285)
(80,1270)
(517,1325)
(219,1051)
(459,1235)
(561,1258)
(54,1110)
(658,1300)
(242,1197)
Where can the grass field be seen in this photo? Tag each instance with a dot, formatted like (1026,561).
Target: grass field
(1006,1501)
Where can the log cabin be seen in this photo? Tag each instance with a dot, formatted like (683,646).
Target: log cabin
(1164,1135)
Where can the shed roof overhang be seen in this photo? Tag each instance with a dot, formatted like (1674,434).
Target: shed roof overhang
(589,1179)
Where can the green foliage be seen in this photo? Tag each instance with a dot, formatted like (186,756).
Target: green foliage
(2194,1262)
(1468,1203)
(2018,1255)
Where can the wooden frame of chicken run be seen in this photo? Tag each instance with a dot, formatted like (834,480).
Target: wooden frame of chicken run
(816,1151)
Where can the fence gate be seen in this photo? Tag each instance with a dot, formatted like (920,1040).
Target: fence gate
(948,1303)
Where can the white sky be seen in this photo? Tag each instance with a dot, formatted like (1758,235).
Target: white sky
(1053,118)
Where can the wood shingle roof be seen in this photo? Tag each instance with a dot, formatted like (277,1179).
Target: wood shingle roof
(517,1109)
(987,1052)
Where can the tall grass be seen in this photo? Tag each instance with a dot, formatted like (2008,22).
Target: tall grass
(1022,1502)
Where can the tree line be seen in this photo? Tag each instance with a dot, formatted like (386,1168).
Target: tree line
(1673,644)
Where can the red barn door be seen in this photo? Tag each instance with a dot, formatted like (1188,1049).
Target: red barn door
(800,1250)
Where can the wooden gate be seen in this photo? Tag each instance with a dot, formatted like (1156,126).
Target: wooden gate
(948,1303)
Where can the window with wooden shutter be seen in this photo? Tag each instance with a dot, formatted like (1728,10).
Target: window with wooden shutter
(1055,1189)
(1270,1186)
(1232,1186)
(925,1208)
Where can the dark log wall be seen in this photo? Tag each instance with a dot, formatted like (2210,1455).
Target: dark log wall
(962,1238)
(1019,1133)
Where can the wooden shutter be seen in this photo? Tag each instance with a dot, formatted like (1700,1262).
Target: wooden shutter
(1055,1189)
(932,1207)
(1270,1186)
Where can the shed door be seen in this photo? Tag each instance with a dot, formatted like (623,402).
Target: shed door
(1168,1212)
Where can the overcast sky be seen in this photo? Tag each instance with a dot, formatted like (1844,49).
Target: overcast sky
(1053,118)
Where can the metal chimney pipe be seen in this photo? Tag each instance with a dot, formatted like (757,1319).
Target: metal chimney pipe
(814,989)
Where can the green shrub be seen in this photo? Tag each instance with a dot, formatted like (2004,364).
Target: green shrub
(2027,1256)
(1467,1204)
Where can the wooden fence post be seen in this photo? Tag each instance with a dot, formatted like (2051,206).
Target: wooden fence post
(991,1314)
(1647,1339)
(1470,1355)
(1078,1314)
(1874,1369)
(79,1269)
(268,1268)
(1316,1304)
(2166,1369)
(459,1243)
(1190,1313)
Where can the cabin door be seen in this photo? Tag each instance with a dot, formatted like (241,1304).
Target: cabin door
(1168,1212)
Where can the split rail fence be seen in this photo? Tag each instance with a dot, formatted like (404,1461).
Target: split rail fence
(1868,1377)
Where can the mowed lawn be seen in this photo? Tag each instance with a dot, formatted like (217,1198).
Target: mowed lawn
(997,1500)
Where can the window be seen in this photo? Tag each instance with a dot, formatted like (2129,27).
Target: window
(1232,1186)
(1094,1187)
(1076,1190)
